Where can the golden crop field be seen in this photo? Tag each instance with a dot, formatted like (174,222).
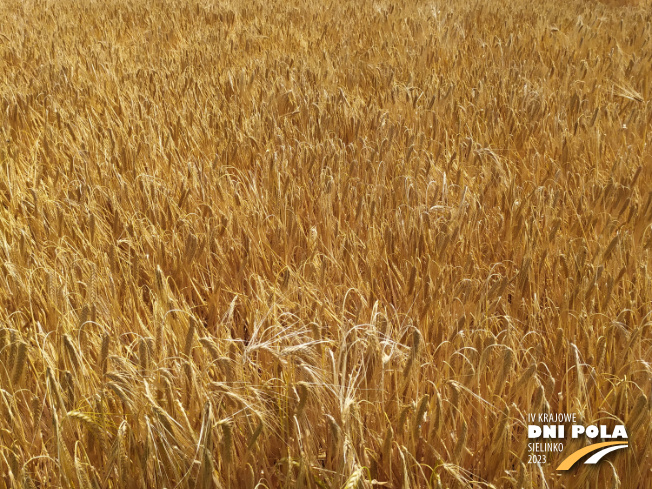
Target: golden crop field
(294,244)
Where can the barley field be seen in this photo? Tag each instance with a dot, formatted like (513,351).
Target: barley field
(293,244)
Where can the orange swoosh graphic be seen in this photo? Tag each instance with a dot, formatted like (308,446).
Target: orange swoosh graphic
(575,456)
